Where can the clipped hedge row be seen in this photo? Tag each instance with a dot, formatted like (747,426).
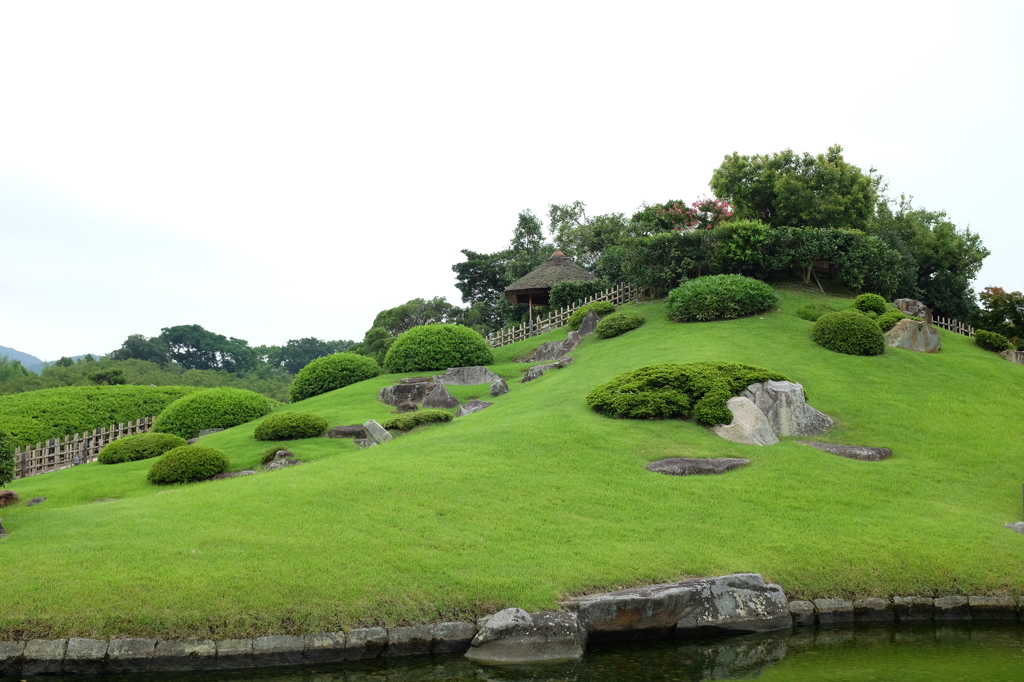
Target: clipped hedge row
(290,426)
(618,323)
(410,420)
(697,389)
(212,408)
(720,297)
(139,446)
(188,464)
(992,341)
(437,347)
(332,372)
(37,416)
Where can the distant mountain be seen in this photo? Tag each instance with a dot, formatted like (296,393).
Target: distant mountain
(31,362)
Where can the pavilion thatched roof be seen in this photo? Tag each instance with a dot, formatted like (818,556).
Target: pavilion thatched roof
(536,284)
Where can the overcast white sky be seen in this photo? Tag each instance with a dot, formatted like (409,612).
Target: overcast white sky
(273,171)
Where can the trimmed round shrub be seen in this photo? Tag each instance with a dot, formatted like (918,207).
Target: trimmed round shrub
(187,464)
(212,408)
(720,297)
(697,389)
(332,372)
(290,426)
(870,303)
(602,308)
(992,341)
(410,420)
(437,347)
(618,323)
(139,446)
(850,332)
(6,458)
(887,321)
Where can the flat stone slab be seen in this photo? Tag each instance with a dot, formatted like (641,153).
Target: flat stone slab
(952,608)
(802,612)
(1016,527)
(131,654)
(696,466)
(993,608)
(278,650)
(324,647)
(234,474)
(453,637)
(737,603)
(44,656)
(873,609)
(10,657)
(350,431)
(914,608)
(472,406)
(363,643)
(410,640)
(84,656)
(234,653)
(514,636)
(834,611)
(194,654)
(858,452)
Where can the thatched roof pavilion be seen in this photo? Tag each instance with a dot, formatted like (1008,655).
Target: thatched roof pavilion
(535,286)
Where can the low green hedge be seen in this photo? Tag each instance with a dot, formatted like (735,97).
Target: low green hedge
(720,297)
(433,347)
(187,464)
(410,420)
(992,341)
(697,389)
(37,416)
(332,372)
(850,332)
(290,426)
(213,408)
(139,446)
(870,303)
(602,308)
(618,323)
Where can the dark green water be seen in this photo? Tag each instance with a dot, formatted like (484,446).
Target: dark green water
(986,653)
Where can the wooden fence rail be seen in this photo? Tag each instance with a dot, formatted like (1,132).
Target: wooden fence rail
(617,295)
(952,325)
(60,453)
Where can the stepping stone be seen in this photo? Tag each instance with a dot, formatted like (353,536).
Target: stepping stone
(695,466)
(859,452)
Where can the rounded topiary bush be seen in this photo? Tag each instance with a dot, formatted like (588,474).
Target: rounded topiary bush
(887,321)
(696,389)
(139,446)
(992,341)
(720,297)
(212,408)
(187,464)
(332,372)
(602,308)
(437,347)
(618,323)
(849,332)
(290,426)
(410,420)
(870,303)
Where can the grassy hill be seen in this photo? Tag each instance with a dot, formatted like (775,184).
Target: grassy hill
(538,498)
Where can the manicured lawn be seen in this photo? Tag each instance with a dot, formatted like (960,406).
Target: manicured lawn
(537,498)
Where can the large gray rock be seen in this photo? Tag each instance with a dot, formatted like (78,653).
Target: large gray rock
(472,406)
(696,466)
(589,323)
(748,426)
(405,393)
(737,603)
(863,453)
(375,433)
(554,350)
(1017,527)
(515,636)
(1014,356)
(440,398)
(499,387)
(535,372)
(788,413)
(909,306)
(467,376)
(915,336)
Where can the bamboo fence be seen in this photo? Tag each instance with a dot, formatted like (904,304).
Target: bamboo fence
(60,453)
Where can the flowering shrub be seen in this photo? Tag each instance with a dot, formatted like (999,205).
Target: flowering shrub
(703,214)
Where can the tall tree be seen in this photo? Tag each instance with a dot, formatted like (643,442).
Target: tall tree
(139,347)
(193,347)
(786,189)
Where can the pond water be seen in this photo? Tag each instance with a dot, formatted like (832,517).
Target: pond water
(989,653)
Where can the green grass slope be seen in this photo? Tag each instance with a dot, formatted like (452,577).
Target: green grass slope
(537,498)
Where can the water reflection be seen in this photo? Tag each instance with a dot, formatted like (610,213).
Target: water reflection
(928,652)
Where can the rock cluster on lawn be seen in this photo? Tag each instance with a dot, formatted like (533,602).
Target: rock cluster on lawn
(860,452)
(537,370)
(439,398)
(471,407)
(554,350)
(230,474)
(770,409)
(466,376)
(516,636)
(696,466)
(921,337)
(589,323)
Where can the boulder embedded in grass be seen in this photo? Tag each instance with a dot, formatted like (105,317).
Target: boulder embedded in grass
(440,398)
(471,407)
(748,426)
(696,466)
(499,387)
(915,336)
(515,636)
(466,376)
(788,413)
(405,393)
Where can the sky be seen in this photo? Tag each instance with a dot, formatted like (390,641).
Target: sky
(280,170)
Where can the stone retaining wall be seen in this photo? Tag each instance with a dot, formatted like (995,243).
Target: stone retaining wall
(95,656)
